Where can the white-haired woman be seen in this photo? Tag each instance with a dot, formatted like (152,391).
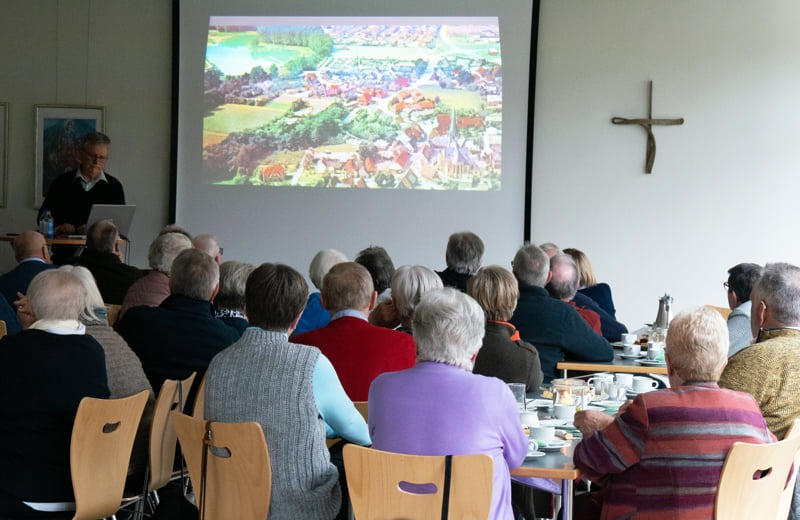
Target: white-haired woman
(409,283)
(126,376)
(439,406)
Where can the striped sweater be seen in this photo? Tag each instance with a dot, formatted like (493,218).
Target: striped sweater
(662,457)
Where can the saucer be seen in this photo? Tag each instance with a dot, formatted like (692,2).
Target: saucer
(540,403)
(633,356)
(633,393)
(553,422)
(555,444)
(652,363)
(535,454)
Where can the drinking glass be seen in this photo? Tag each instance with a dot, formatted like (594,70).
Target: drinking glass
(518,389)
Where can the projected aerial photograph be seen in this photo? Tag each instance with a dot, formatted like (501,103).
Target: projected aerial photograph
(367,103)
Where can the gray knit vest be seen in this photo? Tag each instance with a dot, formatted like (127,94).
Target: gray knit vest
(264,378)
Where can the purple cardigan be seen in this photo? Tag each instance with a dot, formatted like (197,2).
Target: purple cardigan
(438,409)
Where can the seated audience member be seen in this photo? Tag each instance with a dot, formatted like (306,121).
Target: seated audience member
(769,368)
(550,249)
(503,354)
(554,327)
(208,243)
(741,278)
(358,350)
(175,228)
(563,285)
(381,268)
(45,371)
(229,302)
(464,256)
(153,288)
(9,317)
(33,257)
(102,258)
(249,381)
(439,407)
(181,335)
(315,316)
(409,283)
(612,329)
(125,373)
(662,456)
(588,286)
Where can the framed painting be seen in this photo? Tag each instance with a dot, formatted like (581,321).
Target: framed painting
(59,129)
(3,154)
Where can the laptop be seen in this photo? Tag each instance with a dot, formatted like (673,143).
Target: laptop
(121,215)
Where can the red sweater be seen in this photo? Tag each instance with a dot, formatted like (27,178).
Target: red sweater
(360,352)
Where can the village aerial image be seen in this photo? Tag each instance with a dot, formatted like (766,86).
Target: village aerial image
(353,103)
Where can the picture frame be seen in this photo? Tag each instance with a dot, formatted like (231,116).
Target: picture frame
(59,129)
(3,154)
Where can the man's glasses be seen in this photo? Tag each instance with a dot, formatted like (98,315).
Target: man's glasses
(727,286)
(95,157)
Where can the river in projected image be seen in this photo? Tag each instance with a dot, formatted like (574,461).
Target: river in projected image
(382,104)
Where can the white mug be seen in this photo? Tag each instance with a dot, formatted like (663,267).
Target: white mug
(598,379)
(644,384)
(543,433)
(564,411)
(627,339)
(624,379)
(529,419)
(632,350)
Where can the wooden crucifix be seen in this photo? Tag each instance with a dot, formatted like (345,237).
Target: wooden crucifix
(647,124)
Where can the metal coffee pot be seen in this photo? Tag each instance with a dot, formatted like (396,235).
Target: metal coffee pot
(664,312)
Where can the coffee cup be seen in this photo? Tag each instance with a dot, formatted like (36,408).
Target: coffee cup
(632,350)
(543,433)
(597,380)
(624,379)
(627,339)
(644,384)
(655,352)
(529,419)
(564,411)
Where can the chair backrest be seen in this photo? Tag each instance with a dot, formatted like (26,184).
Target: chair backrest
(363,409)
(238,476)
(198,411)
(100,450)
(163,440)
(724,311)
(785,503)
(3,329)
(112,313)
(393,485)
(753,479)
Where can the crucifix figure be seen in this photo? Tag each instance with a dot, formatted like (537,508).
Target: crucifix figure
(647,124)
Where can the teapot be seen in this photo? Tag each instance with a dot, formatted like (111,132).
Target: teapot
(664,312)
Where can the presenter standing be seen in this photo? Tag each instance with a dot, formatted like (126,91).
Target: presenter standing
(72,194)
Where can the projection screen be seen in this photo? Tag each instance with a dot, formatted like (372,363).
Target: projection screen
(308,125)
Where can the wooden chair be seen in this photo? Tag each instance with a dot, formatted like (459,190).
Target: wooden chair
(237,481)
(112,313)
(392,485)
(724,311)
(362,408)
(198,411)
(163,439)
(754,479)
(100,451)
(785,503)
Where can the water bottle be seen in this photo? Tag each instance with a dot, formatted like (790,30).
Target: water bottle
(46,224)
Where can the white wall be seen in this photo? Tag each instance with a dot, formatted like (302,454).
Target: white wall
(114,53)
(725,184)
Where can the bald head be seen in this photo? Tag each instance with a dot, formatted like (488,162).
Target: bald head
(564,281)
(30,244)
(209,244)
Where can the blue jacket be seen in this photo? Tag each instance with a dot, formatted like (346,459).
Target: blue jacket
(556,330)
